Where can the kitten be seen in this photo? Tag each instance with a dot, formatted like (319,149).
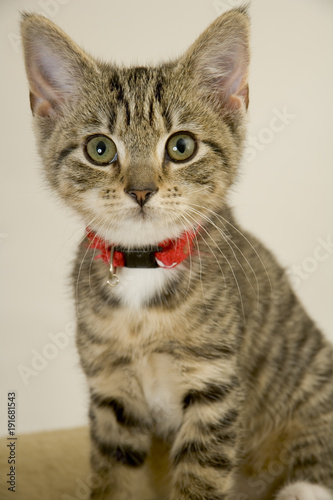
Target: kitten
(207,379)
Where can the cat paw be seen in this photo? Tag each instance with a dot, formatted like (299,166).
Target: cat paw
(304,491)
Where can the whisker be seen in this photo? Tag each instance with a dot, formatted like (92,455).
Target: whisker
(82,262)
(229,264)
(253,248)
(226,238)
(185,223)
(224,220)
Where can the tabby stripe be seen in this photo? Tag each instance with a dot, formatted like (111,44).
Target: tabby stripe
(167,120)
(217,462)
(311,349)
(326,375)
(197,488)
(116,87)
(227,420)
(274,388)
(183,490)
(168,296)
(122,454)
(86,335)
(209,351)
(301,447)
(151,113)
(198,452)
(308,461)
(219,151)
(112,120)
(210,394)
(79,174)
(106,297)
(66,151)
(288,307)
(121,361)
(158,91)
(261,361)
(123,417)
(205,351)
(80,180)
(94,121)
(128,113)
(89,368)
(138,73)
(320,385)
(231,123)
(222,434)
(223,437)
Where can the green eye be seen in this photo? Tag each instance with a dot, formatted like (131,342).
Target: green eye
(181,146)
(100,150)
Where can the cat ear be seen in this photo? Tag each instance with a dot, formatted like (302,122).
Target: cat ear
(218,61)
(55,65)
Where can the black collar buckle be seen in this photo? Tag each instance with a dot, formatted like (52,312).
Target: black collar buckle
(141,258)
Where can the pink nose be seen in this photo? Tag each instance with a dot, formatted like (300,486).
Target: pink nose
(141,196)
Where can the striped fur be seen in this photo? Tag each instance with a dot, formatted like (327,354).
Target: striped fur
(208,381)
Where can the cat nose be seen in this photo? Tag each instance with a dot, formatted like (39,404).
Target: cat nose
(141,196)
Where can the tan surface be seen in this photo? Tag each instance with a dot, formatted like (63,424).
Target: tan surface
(49,466)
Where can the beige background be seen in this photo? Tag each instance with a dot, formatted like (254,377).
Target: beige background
(284,195)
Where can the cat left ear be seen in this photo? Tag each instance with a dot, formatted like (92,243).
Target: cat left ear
(55,65)
(218,61)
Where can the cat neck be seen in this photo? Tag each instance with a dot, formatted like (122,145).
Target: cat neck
(167,254)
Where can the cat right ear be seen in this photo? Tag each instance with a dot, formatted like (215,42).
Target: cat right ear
(54,64)
(217,63)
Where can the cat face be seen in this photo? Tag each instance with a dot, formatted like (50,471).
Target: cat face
(142,154)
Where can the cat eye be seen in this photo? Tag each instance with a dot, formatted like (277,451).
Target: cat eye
(100,150)
(181,147)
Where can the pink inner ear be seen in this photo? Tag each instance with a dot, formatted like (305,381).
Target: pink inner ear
(236,100)
(40,106)
(234,87)
(51,78)
(244,93)
(225,74)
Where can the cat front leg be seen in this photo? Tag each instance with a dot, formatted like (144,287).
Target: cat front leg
(120,443)
(204,453)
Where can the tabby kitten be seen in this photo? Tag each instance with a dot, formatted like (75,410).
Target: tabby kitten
(207,379)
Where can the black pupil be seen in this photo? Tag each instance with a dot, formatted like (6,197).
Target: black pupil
(181,145)
(100,148)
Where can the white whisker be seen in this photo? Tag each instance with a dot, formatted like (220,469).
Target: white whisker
(226,238)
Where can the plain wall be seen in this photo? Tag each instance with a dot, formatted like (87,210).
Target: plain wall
(283,194)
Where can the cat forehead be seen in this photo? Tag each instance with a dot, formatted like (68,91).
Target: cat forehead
(141,98)
(139,82)
(136,78)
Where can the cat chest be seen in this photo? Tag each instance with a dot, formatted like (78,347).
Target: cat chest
(162,386)
(139,286)
(151,380)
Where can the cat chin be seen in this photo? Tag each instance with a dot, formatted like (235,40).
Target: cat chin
(138,234)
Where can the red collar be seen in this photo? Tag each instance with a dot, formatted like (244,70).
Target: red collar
(168,255)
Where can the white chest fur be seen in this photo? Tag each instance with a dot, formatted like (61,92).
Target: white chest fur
(162,388)
(138,286)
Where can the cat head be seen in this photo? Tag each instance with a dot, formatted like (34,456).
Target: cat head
(141,153)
